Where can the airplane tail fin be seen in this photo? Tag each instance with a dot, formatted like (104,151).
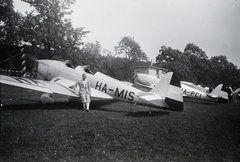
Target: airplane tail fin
(216,92)
(162,86)
(172,95)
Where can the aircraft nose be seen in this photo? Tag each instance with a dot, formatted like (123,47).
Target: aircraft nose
(43,67)
(141,79)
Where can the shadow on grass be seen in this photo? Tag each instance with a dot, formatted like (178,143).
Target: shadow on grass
(208,103)
(146,113)
(78,106)
(199,101)
(38,105)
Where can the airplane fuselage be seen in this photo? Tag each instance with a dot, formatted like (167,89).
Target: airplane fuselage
(188,91)
(61,77)
(98,81)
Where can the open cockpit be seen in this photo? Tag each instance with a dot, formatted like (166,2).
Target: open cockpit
(85,68)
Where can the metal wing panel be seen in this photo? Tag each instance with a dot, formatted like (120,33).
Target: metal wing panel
(57,88)
(37,85)
(57,85)
(95,94)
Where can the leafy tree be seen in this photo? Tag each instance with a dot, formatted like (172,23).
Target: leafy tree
(195,51)
(130,49)
(44,32)
(224,72)
(10,36)
(175,61)
(113,66)
(133,53)
(199,63)
(167,54)
(107,62)
(92,48)
(193,65)
(48,29)
(232,76)
(91,55)
(9,24)
(117,69)
(102,60)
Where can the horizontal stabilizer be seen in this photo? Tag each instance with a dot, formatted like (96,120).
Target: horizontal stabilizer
(165,95)
(154,99)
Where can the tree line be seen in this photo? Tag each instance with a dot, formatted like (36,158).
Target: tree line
(47,33)
(195,66)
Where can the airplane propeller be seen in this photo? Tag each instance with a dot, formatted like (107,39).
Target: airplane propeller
(35,60)
(32,58)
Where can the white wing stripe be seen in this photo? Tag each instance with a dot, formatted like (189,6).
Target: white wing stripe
(28,86)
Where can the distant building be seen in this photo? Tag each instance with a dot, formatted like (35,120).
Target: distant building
(151,70)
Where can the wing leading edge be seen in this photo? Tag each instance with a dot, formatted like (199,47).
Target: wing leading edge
(56,85)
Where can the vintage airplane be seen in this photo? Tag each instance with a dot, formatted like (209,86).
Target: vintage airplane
(198,92)
(61,76)
(188,89)
(145,81)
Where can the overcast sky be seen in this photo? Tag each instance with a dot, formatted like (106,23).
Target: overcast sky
(212,25)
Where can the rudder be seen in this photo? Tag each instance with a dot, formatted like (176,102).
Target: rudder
(162,86)
(216,92)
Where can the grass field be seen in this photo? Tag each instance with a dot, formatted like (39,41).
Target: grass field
(31,131)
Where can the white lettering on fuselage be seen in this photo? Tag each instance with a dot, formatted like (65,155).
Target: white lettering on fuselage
(124,94)
(192,93)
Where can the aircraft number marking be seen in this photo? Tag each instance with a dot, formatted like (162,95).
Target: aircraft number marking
(192,93)
(124,94)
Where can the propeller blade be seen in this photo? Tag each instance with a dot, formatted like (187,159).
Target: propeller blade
(32,58)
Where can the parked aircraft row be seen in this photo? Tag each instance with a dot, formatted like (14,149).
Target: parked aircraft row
(188,89)
(60,76)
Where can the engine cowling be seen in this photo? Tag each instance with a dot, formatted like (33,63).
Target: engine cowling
(146,80)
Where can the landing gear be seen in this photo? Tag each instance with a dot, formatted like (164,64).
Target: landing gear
(150,110)
(47,98)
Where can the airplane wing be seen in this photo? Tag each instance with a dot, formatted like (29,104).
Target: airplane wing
(95,94)
(56,85)
(38,85)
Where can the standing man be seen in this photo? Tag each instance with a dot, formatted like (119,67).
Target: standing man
(84,91)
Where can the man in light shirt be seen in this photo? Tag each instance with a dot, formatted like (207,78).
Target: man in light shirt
(84,91)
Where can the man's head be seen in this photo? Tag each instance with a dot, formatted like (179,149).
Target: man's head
(84,76)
